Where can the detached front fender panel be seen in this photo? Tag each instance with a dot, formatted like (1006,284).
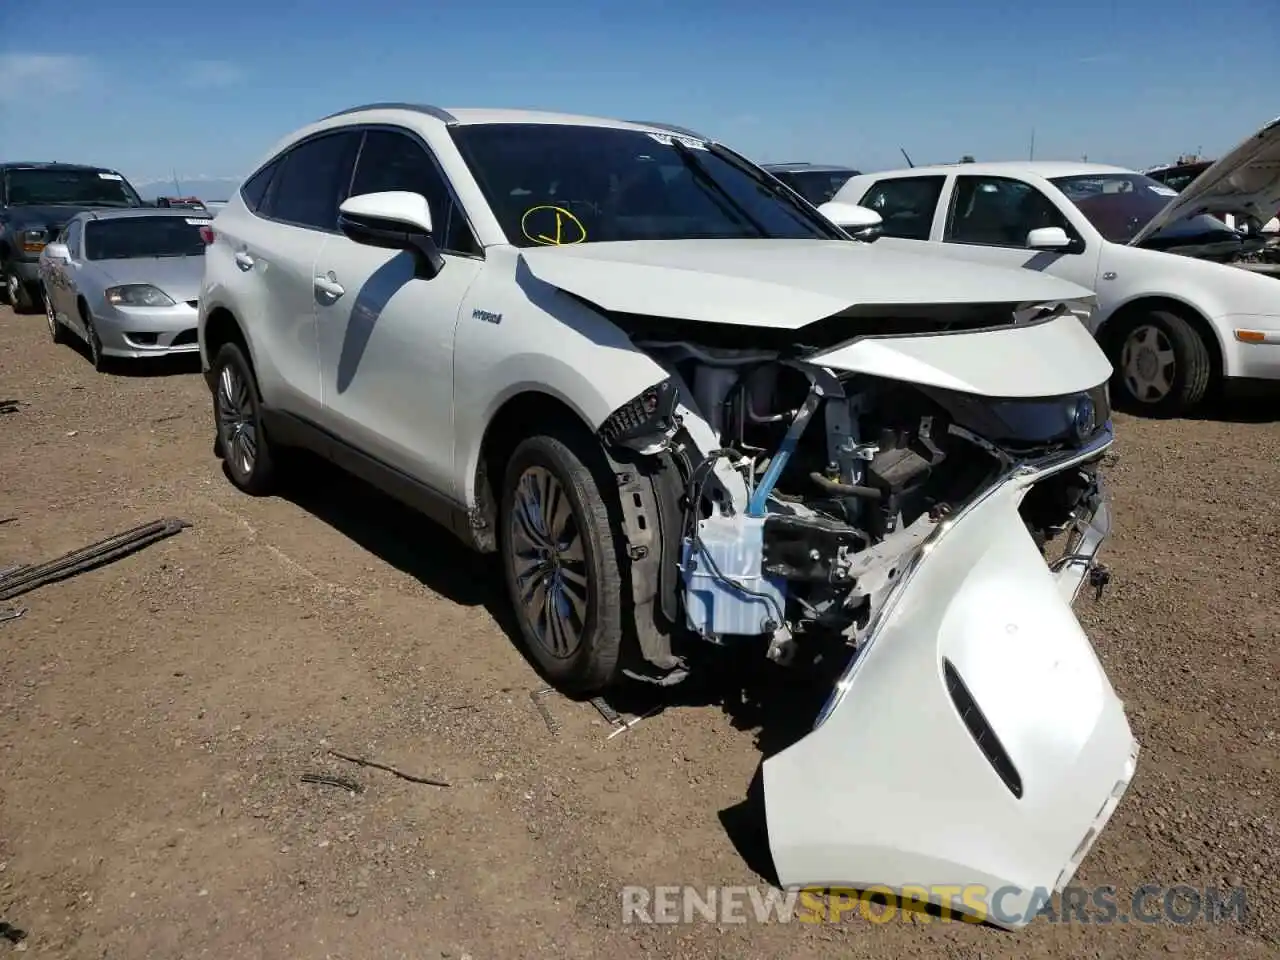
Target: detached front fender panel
(975,744)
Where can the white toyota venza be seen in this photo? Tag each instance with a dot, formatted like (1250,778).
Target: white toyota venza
(685,408)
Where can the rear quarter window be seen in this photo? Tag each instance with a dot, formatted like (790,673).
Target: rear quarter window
(254,189)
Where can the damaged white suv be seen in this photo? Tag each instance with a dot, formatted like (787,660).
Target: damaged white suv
(684,407)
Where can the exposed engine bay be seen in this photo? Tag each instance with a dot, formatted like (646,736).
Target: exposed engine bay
(801,509)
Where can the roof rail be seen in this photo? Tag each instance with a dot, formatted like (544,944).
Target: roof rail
(428,109)
(671,127)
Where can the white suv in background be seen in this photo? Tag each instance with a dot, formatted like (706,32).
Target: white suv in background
(684,407)
(1182,300)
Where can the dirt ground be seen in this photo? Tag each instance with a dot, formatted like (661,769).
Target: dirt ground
(156,716)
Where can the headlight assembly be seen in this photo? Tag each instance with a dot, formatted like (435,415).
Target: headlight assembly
(33,241)
(138,295)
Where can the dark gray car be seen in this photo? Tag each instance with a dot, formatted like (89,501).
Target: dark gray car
(816,182)
(126,281)
(36,201)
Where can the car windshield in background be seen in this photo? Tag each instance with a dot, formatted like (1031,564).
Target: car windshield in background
(132,237)
(552,184)
(45,187)
(815,186)
(1117,204)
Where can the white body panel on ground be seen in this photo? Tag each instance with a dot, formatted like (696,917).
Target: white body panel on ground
(892,789)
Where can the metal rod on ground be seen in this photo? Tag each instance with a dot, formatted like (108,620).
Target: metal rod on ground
(361,761)
(632,722)
(88,558)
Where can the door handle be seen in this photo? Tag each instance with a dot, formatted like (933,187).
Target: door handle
(244,261)
(329,287)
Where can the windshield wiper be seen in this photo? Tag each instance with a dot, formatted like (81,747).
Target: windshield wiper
(774,186)
(689,157)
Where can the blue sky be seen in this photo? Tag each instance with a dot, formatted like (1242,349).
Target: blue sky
(148,87)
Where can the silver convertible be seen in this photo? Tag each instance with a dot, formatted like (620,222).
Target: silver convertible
(126,281)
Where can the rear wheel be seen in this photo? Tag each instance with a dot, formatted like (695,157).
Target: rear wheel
(1163,366)
(560,560)
(246,453)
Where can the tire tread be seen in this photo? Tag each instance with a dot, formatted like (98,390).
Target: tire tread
(1195,367)
(262,480)
(585,474)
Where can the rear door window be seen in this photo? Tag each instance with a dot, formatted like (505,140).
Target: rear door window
(311,180)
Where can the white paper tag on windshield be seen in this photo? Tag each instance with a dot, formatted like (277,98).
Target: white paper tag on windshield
(665,139)
(198,223)
(110,176)
(1163,191)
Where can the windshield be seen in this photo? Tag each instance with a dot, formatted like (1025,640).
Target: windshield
(1121,204)
(53,187)
(552,184)
(132,237)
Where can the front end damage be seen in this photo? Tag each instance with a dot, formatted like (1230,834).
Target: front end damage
(930,501)
(974,748)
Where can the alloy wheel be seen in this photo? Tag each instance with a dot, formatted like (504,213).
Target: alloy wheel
(51,317)
(236,425)
(549,562)
(1148,364)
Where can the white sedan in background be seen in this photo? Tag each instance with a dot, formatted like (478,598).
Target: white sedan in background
(1170,323)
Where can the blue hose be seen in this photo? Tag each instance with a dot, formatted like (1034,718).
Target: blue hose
(756,506)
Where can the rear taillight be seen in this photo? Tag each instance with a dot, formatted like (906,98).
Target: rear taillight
(207,235)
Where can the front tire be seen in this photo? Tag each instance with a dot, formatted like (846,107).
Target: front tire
(56,332)
(247,456)
(560,560)
(94,342)
(1163,367)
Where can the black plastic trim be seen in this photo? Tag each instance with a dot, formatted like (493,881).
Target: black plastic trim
(290,430)
(980,729)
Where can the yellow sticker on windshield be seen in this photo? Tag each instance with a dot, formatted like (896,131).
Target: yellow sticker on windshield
(552,226)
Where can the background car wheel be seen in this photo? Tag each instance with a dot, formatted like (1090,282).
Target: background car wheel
(246,453)
(560,560)
(1163,366)
(56,333)
(18,294)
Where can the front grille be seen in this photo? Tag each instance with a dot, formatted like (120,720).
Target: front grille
(185,337)
(980,729)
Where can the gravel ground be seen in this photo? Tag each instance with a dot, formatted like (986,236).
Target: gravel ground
(156,715)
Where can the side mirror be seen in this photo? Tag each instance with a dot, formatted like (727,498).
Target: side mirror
(1048,238)
(57,252)
(394,220)
(859,222)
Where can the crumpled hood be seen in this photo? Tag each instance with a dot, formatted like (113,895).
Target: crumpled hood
(1245,181)
(784,284)
(179,277)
